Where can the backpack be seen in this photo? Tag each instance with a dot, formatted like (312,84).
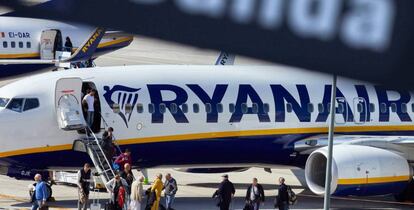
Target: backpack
(292,196)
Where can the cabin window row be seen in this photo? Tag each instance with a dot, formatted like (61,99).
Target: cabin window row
(14,44)
(255,108)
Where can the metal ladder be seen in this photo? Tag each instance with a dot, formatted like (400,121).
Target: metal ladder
(97,155)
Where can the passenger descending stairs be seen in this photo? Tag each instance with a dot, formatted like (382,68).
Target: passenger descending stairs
(91,145)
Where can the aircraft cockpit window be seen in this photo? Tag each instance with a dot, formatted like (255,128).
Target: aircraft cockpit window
(16,104)
(184,108)
(310,108)
(219,107)
(31,103)
(162,108)
(140,108)
(4,44)
(4,101)
(371,107)
(404,108)
(394,107)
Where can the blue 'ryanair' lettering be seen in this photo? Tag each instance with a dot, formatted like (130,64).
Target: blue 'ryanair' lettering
(157,99)
(218,94)
(383,100)
(323,116)
(247,91)
(281,95)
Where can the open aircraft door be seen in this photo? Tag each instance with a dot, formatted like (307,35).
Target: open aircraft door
(68,103)
(50,42)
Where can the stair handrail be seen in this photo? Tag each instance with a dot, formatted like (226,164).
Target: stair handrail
(101,150)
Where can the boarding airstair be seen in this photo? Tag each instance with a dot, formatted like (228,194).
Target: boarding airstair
(91,145)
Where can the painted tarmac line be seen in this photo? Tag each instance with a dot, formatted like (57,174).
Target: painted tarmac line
(19,199)
(362,200)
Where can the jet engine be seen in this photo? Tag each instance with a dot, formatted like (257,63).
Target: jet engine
(358,171)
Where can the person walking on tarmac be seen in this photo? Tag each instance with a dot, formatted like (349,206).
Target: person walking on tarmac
(255,195)
(157,187)
(282,199)
(127,175)
(225,193)
(170,189)
(41,194)
(84,180)
(118,189)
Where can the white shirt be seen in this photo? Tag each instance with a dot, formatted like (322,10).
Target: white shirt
(253,192)
(90,100)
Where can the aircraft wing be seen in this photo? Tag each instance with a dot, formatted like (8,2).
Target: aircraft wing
(25,61)
(308,145)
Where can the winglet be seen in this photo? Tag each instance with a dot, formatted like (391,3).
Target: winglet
(225,59)
(87,49)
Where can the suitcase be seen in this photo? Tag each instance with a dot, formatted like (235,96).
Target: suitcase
(96,205)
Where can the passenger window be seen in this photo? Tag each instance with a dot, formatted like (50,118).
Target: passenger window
(208,107)
(219,107)
(341,108)
(16,105)
(266,108)
(5,44)
(244,108)
(140,108)
(31,103)
(289,107)
(115,108)
(184,108)
(371,107)
(13,44)
(383,108)
(394,107)
(20,44)
(360,107)
(196,108)
(162,108)
(404,108)
(412,107)
(28,44)
(151,108)
(320,108)
(128,108)
(310,108)
(173,108)
(255,108)
(232,108)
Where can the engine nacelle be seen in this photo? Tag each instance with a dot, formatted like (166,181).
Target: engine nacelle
(358,170)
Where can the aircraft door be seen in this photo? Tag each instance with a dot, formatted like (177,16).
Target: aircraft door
(50,42)
(68,103)
(360,110)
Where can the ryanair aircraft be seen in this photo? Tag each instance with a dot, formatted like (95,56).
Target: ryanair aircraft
(215,116)
(28,44)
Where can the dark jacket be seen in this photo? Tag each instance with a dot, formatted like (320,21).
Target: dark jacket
(225,191)
(259,195)
(170,187)
(283,195)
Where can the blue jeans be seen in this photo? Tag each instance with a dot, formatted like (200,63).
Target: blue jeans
(89,118)
(36,204)
(256,205)
(169,201)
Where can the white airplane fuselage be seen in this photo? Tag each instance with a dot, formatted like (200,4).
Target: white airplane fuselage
(199,115)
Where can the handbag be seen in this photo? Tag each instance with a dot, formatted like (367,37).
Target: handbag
(248,206)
